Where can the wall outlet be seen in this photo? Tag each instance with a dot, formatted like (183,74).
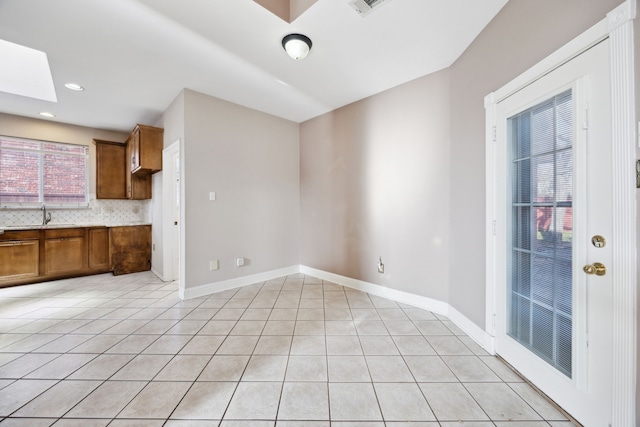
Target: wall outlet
(380,266)
(239,262)
(212,195)
(213,265)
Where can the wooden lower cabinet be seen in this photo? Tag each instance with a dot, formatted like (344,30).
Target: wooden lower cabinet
(20,255)
(99,250)
(130,249)
(32,256)
(65,251)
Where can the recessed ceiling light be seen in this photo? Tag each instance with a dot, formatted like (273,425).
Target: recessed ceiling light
(74,86)
(47,114)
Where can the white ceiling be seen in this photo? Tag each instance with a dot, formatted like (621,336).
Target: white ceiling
(135,56)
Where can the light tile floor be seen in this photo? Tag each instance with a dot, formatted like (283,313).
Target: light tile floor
(291,352)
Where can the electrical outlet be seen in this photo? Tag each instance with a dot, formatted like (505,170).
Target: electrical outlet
(213,265)
(239,262)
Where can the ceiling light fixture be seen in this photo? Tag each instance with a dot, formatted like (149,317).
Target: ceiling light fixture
(74,86)
(47,114)
(297,46)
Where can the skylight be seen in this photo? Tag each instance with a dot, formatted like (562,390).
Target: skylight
(25,72)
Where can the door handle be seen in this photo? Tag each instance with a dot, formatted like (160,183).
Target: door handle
(596,268)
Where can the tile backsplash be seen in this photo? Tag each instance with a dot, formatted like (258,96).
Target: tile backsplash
(99,212)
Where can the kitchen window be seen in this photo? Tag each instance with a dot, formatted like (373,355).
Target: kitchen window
(34,172)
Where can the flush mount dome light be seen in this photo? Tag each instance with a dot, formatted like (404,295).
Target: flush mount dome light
(297,45)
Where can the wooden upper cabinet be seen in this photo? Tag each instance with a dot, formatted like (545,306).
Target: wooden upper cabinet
(146,143)
(110,170)
(137,187)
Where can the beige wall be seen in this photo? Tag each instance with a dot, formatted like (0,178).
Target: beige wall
(402,174)
(375,183)
(251,160)
(46,130)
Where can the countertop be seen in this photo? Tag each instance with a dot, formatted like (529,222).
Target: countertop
(4,228)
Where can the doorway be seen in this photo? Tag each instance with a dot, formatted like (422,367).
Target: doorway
(530,242)
(171,210)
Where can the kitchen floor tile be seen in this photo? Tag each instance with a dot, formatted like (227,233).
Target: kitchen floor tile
(353,401)
(452,402)
(255,401)
(107,400)
(304,401)
(56,401)
(156,400)
(205,401)
(403,402)
(294,351)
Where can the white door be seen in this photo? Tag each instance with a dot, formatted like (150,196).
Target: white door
(171,211)
(553,191)
(175,181)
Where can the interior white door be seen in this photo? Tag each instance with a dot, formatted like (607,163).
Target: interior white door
(553,191)
(175,181)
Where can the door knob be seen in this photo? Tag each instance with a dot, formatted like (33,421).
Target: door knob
(596,268)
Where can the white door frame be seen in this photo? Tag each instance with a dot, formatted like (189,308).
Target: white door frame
(168,208)
(618,27)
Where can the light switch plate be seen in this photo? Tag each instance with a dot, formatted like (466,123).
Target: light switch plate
(212,195)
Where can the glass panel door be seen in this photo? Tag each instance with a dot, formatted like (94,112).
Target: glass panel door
(540,141)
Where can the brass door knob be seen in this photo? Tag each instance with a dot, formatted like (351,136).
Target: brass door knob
(596,268)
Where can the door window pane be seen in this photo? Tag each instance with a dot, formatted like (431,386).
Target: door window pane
(540,287)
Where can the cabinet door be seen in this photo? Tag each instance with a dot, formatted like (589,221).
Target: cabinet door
(135,150)
(20,259)
(99,249)
(138,187)
(110,170)
(65,251)
(148,142)
(130,249)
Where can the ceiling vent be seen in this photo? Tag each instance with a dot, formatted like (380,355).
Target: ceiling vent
(364,7)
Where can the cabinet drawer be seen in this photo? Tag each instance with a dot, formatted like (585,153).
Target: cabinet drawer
(20,235)
(64,232)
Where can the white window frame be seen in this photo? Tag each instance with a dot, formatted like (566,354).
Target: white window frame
(41,152)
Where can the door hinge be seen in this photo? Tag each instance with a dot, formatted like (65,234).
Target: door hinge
(585,124)
(494,134)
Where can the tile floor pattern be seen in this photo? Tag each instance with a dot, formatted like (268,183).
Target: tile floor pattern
(295,351)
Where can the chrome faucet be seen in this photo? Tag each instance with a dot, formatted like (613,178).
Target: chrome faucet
(46,216)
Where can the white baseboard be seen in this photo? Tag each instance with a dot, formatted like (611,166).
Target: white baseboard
(158,275)
(474,331)
(238,282)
